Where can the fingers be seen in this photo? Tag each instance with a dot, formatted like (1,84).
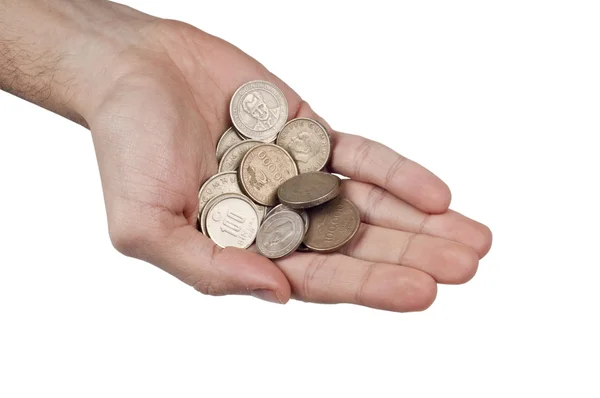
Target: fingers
(446,261)
(369,161)
(192,257)
(336,278)
(379,207)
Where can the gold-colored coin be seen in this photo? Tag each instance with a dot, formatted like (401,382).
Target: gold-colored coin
(309,190)
(332,225)
(263,169)
(308,142)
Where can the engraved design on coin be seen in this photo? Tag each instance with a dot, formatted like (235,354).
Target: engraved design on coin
(308,142)
(233,157)
(264,168)
(226,182)
(258,110)
(216,185)
(301,212)
(309,190)
(332,225)
(227,140)
(280,234)
(232,221)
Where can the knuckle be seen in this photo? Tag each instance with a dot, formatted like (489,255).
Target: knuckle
(129,238)
(207,287)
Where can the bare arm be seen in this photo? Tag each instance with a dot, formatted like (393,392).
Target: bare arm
(50,51)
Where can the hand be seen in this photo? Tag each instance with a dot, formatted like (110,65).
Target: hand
(156,111)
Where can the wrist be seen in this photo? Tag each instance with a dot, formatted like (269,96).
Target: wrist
(61,54)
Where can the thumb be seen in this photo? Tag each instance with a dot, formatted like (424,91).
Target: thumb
(195,259)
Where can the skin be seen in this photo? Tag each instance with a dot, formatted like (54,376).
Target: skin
(155,94)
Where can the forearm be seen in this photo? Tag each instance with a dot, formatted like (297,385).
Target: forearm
(52,51)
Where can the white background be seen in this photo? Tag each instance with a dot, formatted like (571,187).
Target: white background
(501,99)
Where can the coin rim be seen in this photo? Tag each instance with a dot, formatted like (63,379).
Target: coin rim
(228,196)
(220,142)
(323,199)
(294,247)
(241,180)
(328,136)
(234,96)
(227,152)
(346,241)
(205,184)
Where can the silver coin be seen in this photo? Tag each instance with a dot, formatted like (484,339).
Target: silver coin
(202,216)
(301,212)
(280,234)
(258,110)
(227,140)
(232,221)
(226,182)
(233,157)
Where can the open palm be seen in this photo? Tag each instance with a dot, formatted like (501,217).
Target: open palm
(155,130)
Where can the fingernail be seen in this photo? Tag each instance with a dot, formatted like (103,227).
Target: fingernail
(267,295)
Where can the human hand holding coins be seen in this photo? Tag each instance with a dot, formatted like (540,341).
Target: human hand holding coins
(180,105)
(232,205)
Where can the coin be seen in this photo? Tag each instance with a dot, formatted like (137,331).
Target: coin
(332,225)
(301,212)
(218,184)
(233,157)
(258,110)
(264,168)
(232,221)
(202,216)
(280,234)
(307,141)
(309,190)
(227,140)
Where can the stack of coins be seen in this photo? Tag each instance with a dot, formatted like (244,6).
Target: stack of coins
(270,187)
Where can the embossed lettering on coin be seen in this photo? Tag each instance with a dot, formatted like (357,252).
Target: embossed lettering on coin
(303,214)
(218,184)
(232,221)
(258,110)
(233,157)
(280,234)
(264,168)
(332,225)
(309,190)
(227,140)
(308,143)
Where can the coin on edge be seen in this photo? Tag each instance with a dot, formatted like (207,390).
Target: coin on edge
(258,110)
(227,140)
(301,212)
(308,142)
(226,182)
(280,234)
(309,190)
(332,225)
(202,216)
(233,157)
(263,169)
(232,221)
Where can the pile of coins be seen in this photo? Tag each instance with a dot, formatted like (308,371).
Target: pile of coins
(270,188)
